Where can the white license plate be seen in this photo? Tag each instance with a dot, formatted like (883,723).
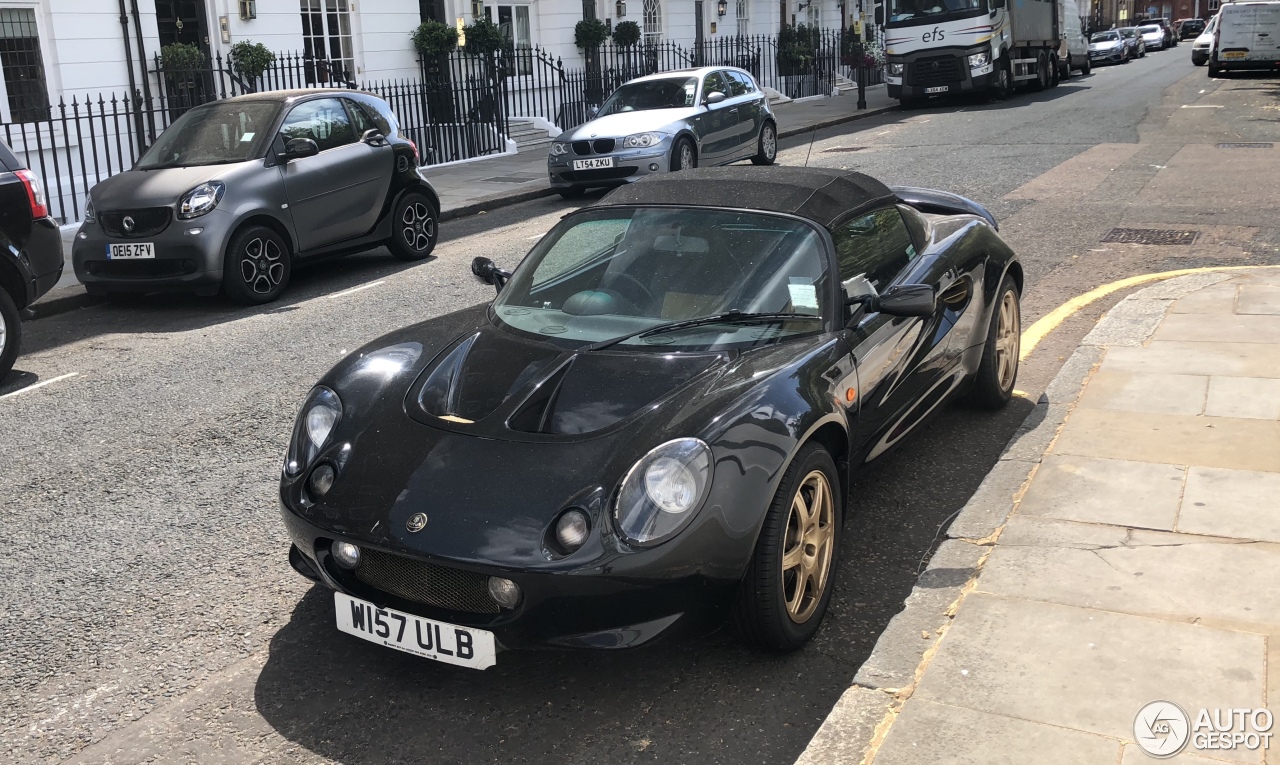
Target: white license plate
(131,251)
(449,643)
(1228,55)
(939,89)
(592,164)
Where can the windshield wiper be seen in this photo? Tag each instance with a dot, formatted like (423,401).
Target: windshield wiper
(728,317)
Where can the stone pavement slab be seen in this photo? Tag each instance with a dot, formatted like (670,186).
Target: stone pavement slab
(1239,328)
(1252,397)
(1259,299)
(1243,504)
(1142,392)
(1226,442)
(1218,358)
(1120,492)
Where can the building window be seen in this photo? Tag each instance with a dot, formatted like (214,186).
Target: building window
(744,17)
(813,15)
(652,22)
(326,41)
(23,65)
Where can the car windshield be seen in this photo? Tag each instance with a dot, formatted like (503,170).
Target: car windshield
(665,93)
(1105,37)
(1129,32)
(609,273)
(1150,29)
(213,134)
(933,10)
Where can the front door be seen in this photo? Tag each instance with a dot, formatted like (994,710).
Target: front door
(184,21)
(338,193)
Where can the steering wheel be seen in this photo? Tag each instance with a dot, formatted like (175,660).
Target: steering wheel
(647,296)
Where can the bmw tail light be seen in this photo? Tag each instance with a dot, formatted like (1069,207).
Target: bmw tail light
(35,194)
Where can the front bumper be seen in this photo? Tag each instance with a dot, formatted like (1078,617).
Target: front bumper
(586,607)
(183,260)
(940,72)
(1110,56)
(1238,64)
(629,165)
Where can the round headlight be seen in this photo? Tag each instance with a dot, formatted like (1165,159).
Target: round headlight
(319,416)
(321,480)
(572,529)
(320,422)
(504,592)
(345,554)
(662,491)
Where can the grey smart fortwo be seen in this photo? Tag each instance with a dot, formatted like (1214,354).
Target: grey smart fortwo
(235,192)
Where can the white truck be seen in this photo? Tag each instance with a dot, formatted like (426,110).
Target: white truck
(935,47)
(1247,37)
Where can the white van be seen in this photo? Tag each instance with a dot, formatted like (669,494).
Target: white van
(1073,50)
(1248,37)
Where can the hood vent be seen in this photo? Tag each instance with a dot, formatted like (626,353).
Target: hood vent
(534,415)
(439,396)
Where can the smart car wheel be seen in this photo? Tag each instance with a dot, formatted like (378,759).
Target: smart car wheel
(767,151)
(257,266)
(10,333)
(683,155)
(415,227)
(993,382)
(785,592)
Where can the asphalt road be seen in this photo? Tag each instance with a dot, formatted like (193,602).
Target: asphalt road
(149,613)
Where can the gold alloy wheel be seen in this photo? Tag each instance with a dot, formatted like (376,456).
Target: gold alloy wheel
(1008,340)
(807,546)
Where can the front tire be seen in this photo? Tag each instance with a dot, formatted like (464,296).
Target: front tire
(788,583)
(257,266)
(1003,87)
(767,146)
(683,155)
(415,227)
(1087,69)
(10,333)
(998,371)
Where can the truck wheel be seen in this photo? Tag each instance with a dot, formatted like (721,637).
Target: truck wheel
(1214,70)
(1042,72)
(1003,86)
(1055,71)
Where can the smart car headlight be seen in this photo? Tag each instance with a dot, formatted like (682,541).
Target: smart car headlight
(319,416)
(200,200)
(895,70)
(662,491)
(979,60)
(89,215)
(642,140)
(559,149)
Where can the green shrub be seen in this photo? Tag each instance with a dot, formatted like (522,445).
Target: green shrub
(250,59)
(434,38)
(178,56)
(590,34)
(626,33)
(484,36)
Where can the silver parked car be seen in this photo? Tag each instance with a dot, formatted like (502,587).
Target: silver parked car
(666,122)
(235,192)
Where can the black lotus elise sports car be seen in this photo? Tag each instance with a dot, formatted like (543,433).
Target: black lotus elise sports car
(651,428)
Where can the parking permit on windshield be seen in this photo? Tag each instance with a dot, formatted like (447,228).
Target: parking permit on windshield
(803,294)
(247,137)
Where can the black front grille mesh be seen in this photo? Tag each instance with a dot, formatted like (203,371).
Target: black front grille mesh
(426,583)
(598,146)
(941,70)
(146,222)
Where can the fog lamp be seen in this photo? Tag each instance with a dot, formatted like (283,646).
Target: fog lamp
(321,480)
(505,592)
(653,167)
(348,555)
(572,530)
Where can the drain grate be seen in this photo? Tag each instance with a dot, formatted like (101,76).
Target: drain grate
(1149,236)
(1245,145)
(843,148)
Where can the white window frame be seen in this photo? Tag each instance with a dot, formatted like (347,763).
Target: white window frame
(652,26)
(48,60)
(743,12)
(352,62)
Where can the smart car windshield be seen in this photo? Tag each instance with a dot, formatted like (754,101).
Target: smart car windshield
(665,93)
(213,134)
(905,12)
(611,273)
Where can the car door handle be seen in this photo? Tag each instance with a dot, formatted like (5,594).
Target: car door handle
(734,110)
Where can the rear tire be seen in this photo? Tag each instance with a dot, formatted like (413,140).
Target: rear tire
(257,266)
(1042,80)
(766,146)
(1087,69)
(10,333)
(415,227)
(993,382)
(684,155)
(789,580)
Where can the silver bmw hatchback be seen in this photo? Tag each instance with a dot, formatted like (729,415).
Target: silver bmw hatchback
(666,122)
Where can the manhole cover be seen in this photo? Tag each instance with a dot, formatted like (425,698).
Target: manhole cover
(843,148)
(1245,145)
(1149,236)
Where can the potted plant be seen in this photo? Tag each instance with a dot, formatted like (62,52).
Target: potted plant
(433,39)
(626,34)
(590,34)
(177,57)
(250,59)
(797,50)
(485,37)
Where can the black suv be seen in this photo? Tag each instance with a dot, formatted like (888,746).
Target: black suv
(1190,29)
(30,250)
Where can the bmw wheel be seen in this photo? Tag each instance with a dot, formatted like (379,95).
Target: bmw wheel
(10,332)
(767,149)
(683,155)
(788,584)
(414,227)
(257,266)
(998,370)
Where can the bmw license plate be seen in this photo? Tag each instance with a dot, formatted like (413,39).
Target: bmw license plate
(592,164)
(449,643)
(939,89)
(131,251)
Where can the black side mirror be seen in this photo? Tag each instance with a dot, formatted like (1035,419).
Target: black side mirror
(297,148)
(374,137)
(714,97)
(489,273)
(907,300)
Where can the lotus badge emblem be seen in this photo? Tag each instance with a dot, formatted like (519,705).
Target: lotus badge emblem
(417,522)
(128,223)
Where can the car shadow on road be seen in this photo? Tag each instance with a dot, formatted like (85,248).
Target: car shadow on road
(707,700)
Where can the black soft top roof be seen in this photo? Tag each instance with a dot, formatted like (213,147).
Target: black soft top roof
(820,194)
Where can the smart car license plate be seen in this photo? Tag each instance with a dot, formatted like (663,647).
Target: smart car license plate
(592,164)
(939,89)
(451,644)
(131,251)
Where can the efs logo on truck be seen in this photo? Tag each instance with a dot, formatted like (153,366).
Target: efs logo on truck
(935,36)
